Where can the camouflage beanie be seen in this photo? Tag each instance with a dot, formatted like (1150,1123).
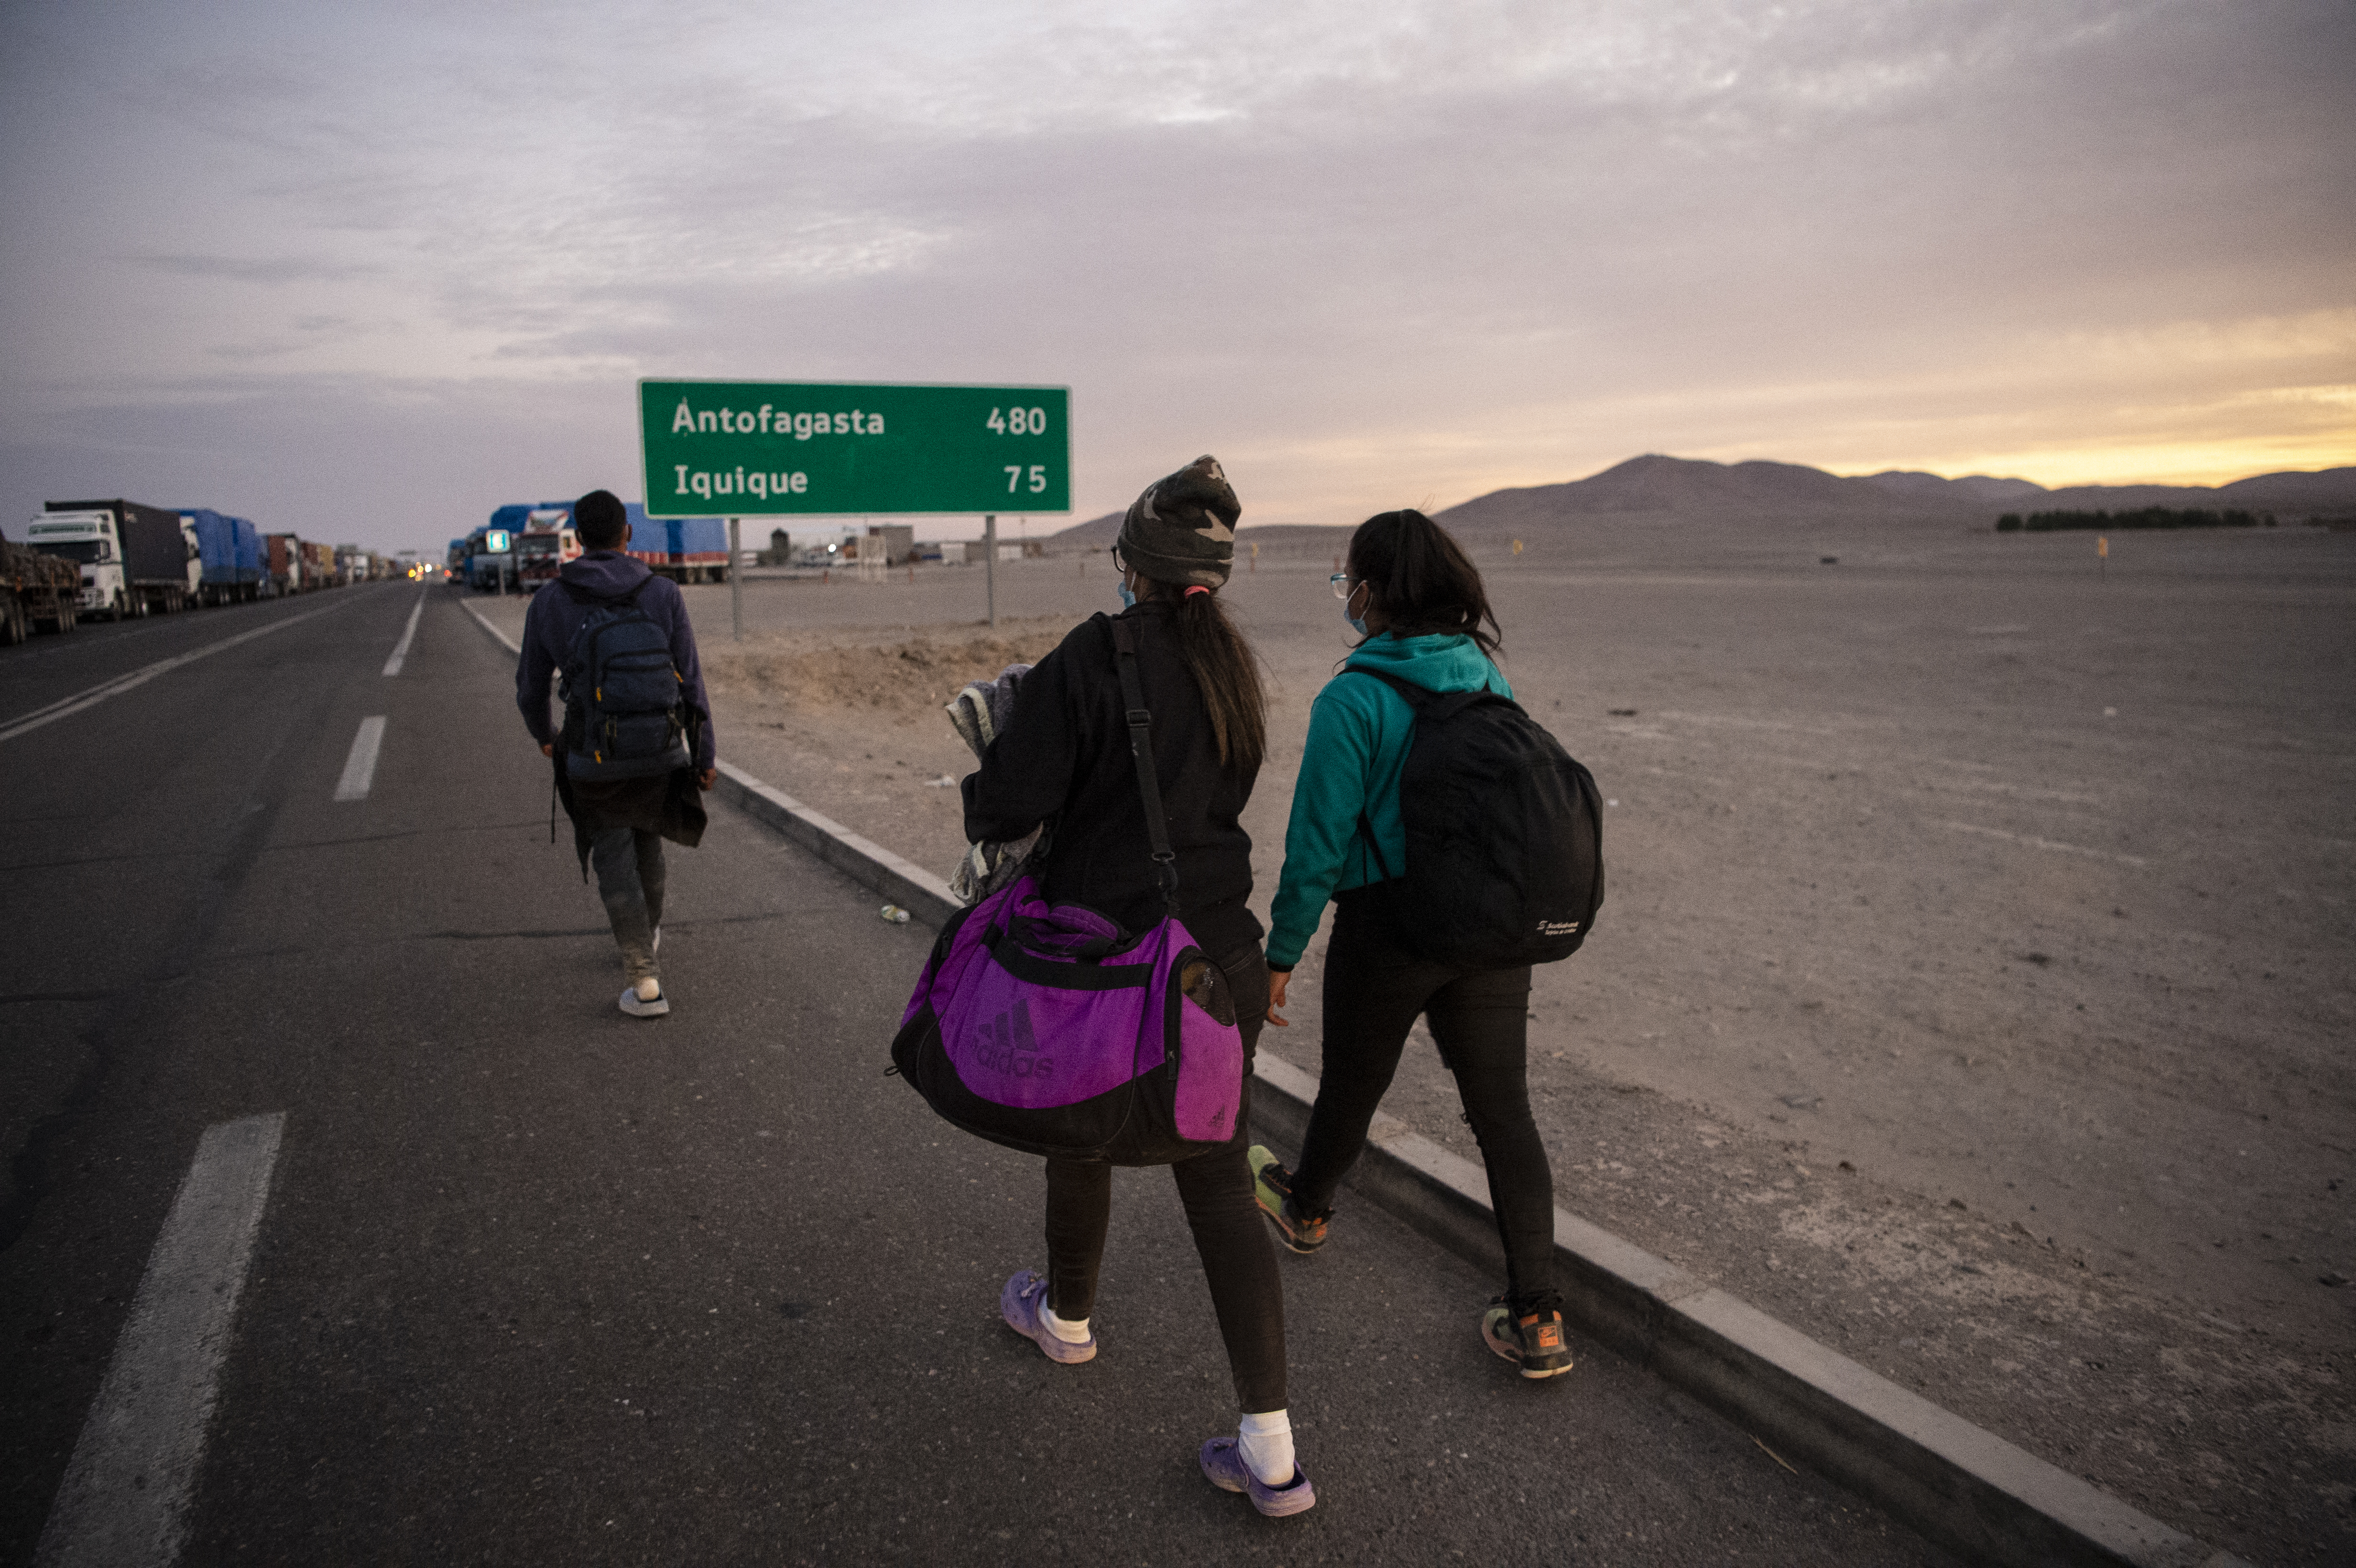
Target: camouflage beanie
(1182,529)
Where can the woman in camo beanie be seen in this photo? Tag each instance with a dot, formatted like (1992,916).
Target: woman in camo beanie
(1182,530)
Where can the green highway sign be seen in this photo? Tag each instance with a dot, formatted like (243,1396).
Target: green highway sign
(780,448)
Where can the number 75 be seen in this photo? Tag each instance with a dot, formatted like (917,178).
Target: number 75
(1015,477)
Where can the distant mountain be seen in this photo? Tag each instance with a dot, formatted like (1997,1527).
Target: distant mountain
(1978,486)
(2293,494)
(1097,533)
(1655,490)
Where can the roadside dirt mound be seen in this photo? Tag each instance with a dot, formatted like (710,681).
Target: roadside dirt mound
(899,671)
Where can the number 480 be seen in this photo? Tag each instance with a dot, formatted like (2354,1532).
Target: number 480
(1018,421)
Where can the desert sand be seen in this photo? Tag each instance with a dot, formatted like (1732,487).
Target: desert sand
(1974,988)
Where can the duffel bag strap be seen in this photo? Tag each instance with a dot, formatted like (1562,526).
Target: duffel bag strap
(1140,746)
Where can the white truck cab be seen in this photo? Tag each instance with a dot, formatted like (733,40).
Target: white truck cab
(89,538)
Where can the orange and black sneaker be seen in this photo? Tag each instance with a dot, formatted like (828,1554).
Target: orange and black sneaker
(1272,1189)
(1530,1337)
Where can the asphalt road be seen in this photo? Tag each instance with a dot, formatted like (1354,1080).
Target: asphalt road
(538,1282)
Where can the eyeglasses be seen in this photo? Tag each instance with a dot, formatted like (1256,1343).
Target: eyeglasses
(1341,582)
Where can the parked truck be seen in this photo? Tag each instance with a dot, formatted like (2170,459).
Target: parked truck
(133,558)
(546,543)
(491,548)
(685,549)
(35,586)
(318,565)
(228,557)
(283,565)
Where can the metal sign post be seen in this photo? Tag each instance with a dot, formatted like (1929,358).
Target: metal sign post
(990,561)
(737,578)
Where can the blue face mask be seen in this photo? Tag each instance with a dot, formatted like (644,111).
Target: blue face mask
(1128,600)
(1357,624)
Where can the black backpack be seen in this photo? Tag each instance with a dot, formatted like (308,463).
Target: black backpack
(625,714)
(1504,835)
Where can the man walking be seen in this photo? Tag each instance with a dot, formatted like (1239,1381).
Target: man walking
(636,746)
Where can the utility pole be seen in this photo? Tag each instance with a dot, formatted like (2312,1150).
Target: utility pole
(990,561)
(736,578)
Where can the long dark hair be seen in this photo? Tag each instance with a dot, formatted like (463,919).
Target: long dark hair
(1424,583)
(1227,671)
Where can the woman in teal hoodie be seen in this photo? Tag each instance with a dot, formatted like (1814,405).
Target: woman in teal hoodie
(1416,601)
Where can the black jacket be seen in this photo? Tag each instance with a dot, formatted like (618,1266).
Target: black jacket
(1063,756)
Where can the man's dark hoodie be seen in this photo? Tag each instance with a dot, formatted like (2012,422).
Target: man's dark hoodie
(660,805)
(555,618)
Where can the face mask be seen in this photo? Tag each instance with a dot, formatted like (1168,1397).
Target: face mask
(1128,600)
(1357,624)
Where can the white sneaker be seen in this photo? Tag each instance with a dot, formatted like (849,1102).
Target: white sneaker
(639,1007)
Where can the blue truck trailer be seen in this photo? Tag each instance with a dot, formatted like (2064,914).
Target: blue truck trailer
(685,549)
(493,562)
(230,552)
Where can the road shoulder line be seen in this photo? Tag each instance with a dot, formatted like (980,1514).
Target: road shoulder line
(497,635)
(360,765)
(408,635)
(1956,1482)
(123,1502)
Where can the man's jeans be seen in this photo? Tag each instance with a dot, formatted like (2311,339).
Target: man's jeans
(629,865)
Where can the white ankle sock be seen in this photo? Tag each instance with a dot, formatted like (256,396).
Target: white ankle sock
(1071,1331)
(649,989)
(1266,1441)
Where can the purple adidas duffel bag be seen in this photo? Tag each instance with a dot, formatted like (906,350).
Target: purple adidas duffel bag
(1049,1028)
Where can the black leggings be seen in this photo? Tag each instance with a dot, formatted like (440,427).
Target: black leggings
(1238,1261)
(1480,1019)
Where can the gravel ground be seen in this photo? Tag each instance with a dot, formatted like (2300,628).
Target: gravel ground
(1973,991)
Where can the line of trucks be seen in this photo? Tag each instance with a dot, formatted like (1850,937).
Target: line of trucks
(524,546)
(120,560)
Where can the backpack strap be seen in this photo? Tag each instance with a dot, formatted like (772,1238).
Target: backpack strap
(1140,746)
(1438,707)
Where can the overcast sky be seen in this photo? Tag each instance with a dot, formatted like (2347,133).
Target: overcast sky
(366,272)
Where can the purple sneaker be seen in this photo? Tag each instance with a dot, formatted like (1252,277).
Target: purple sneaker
(1022,1302)
(1223,1467)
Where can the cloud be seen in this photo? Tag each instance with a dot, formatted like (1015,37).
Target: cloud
(1411,248)
(254,268)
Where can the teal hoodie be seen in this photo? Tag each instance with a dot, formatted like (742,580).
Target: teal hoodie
(1359,732)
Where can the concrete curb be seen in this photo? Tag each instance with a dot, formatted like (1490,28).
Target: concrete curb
(497,635)
(863,860)
(1957,1483)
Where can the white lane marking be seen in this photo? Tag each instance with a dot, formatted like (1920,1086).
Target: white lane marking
(359,768)
(2035,843)
(401,648)
(504,640)
(25,723)
(125,1500)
